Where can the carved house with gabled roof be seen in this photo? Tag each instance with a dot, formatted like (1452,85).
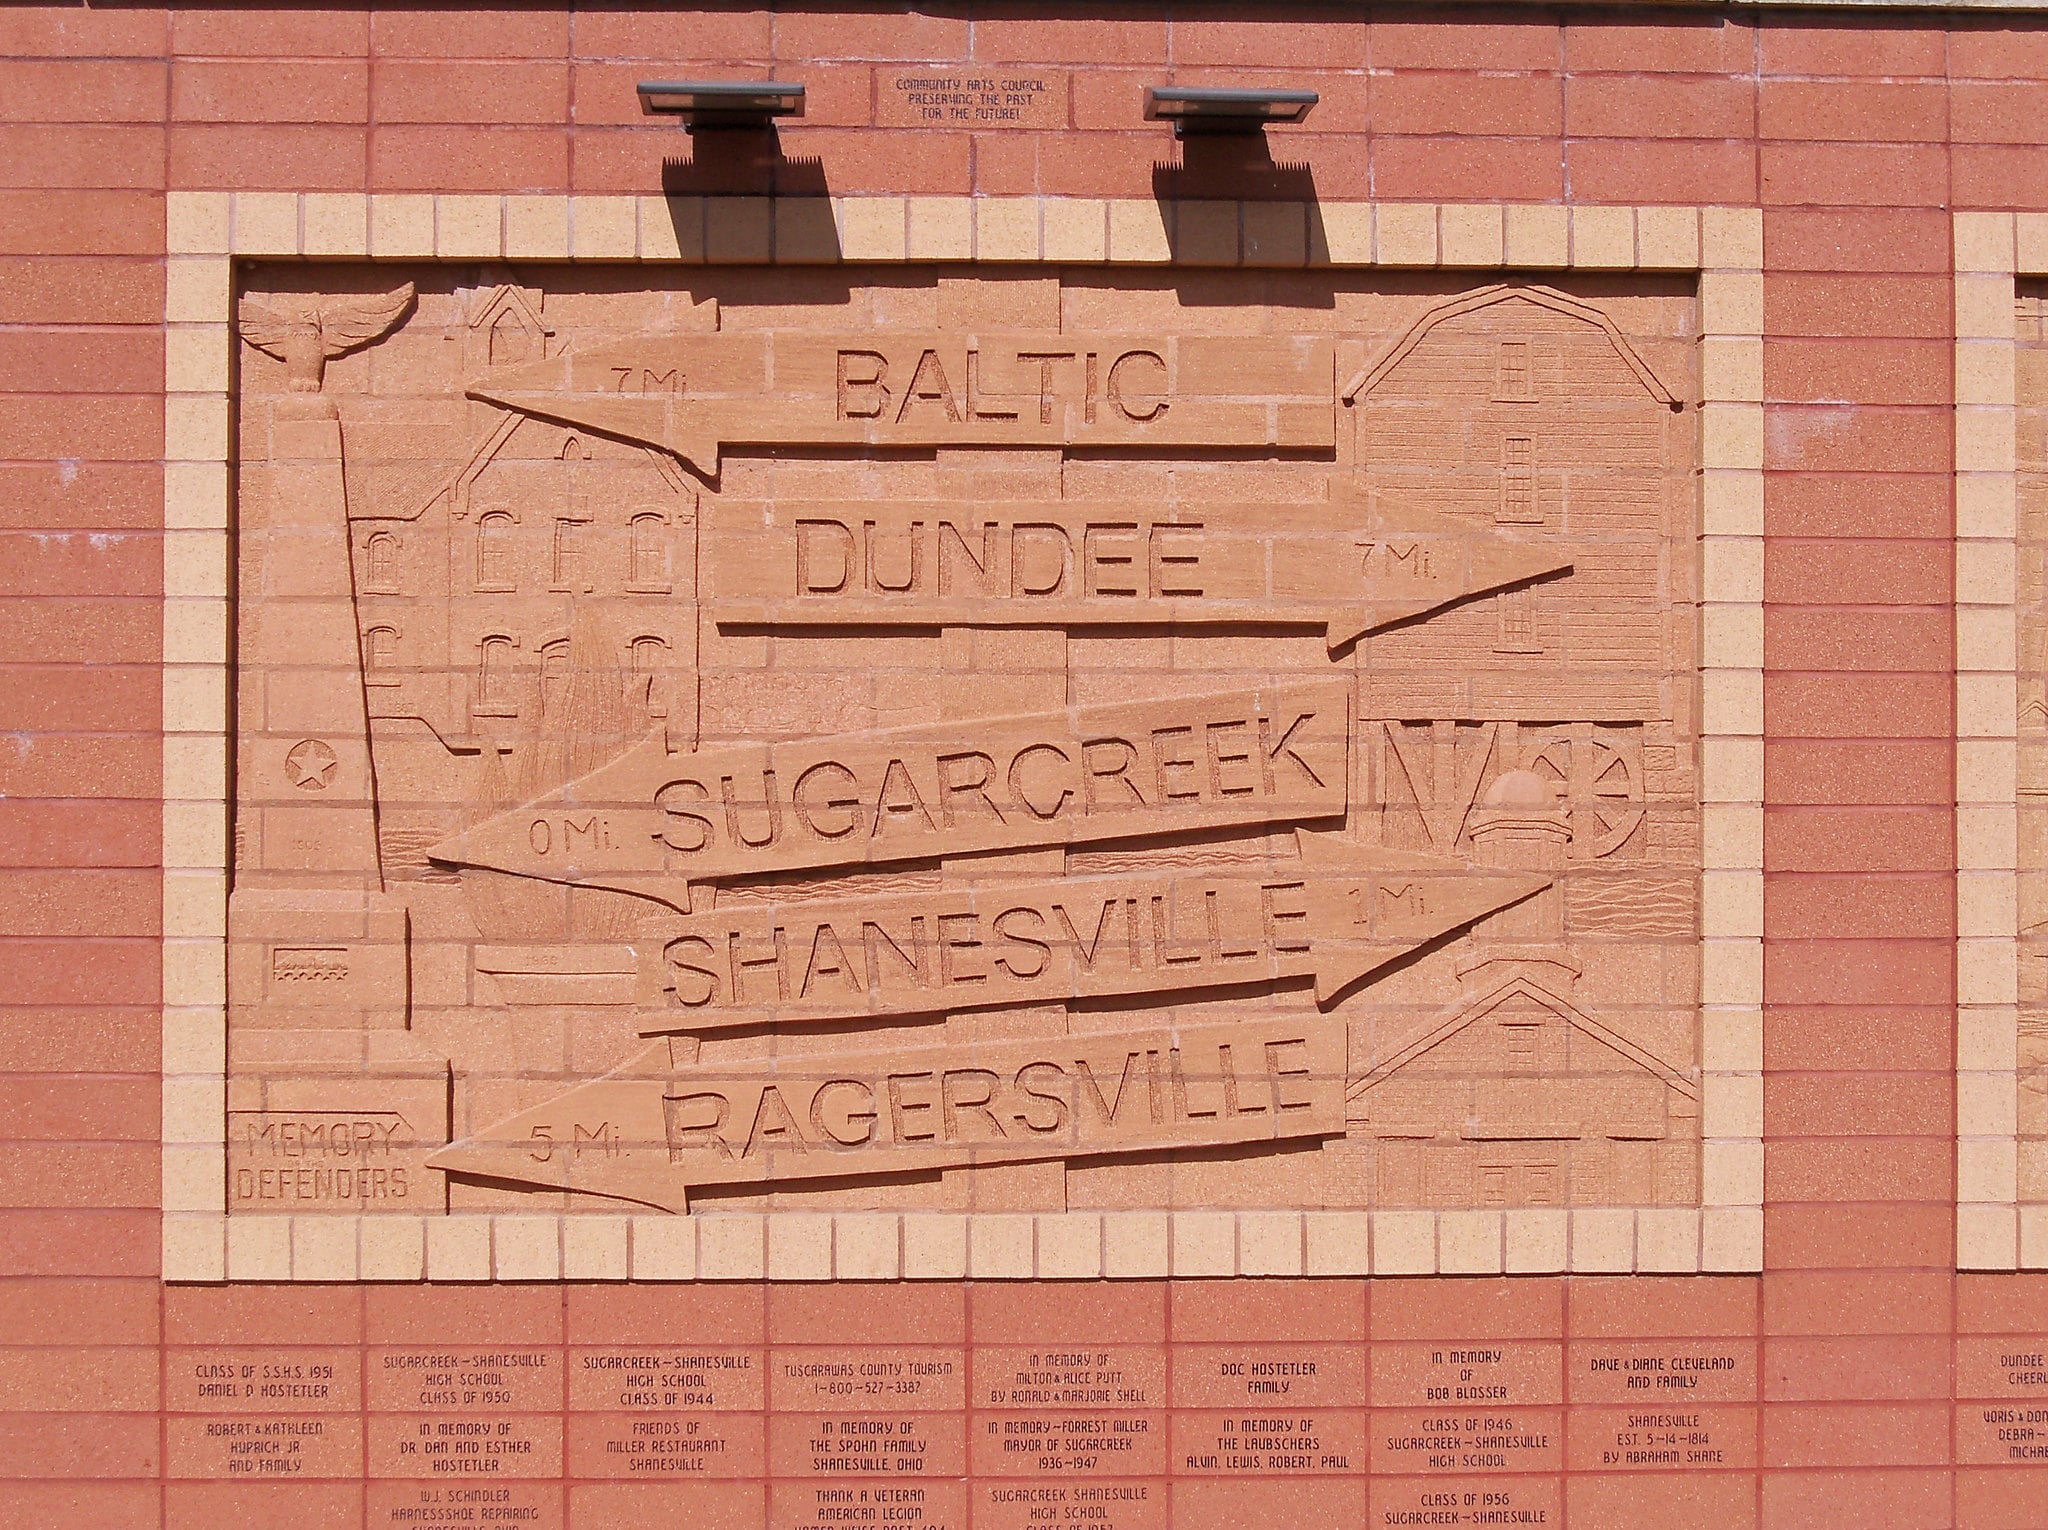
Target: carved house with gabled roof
(1517,1097)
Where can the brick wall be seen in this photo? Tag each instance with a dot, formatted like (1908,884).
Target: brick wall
(1857,139)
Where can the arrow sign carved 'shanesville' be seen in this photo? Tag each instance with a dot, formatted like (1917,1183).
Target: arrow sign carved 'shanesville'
(1336,914)
(1339,565)
(695,394)
(651,821)
(645,1134)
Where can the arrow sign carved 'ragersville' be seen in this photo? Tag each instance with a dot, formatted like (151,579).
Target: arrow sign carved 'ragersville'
(651,821)
(1339,565)
(650,1135)
(1336,914)
(695,394)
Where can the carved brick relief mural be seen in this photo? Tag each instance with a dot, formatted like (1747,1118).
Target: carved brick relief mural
(837,739)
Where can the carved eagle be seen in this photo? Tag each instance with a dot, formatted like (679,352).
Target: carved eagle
(304,332)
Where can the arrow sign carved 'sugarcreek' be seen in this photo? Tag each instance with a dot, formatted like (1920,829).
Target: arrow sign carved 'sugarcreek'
(695,394)
(1336,914)
(1339,565)
(651,1137)
(651,821)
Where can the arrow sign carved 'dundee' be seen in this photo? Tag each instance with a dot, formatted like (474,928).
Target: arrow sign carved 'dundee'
(651,1135)
(1338,913)
(1340,565)
(651,822)
(696,394)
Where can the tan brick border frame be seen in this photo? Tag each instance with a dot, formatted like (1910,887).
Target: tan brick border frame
(208,231)
(1995,1229)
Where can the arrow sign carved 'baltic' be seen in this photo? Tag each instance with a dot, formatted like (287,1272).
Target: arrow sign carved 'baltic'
(1338,565)
(1336,914)
(651,821)
(648,1134)
(695,394)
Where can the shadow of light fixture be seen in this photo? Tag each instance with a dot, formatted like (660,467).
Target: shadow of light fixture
(1195,109)
(722,103)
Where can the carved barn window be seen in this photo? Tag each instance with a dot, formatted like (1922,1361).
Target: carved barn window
(647,555)
(494,567)
(1518,483)
(494,678)
(1514,381)
(1515,631)
(380,577)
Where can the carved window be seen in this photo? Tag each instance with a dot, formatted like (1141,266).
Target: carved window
(1515,631)
(494,678)
(650,661)
(494,551)
(380,556)
(1519,1045)
(566,560)
(380,656)
(512,339)
(1514,381)
(554,677)
(1518,1182)
(647,555)
(1518,483)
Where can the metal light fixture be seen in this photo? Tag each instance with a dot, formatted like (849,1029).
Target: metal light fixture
(722,103)
(1207,109)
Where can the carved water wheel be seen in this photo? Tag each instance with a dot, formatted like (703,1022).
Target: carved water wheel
(1602,789)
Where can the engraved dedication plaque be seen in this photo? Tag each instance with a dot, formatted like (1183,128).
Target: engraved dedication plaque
(819,742)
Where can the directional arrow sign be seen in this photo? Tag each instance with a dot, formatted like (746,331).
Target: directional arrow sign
(695,394)
(649,1135)
(1335,915)
(652,821)
(1339,565)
